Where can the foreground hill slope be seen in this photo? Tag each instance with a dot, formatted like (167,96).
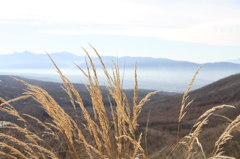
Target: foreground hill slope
(162,126)
(164,112)
(224,91)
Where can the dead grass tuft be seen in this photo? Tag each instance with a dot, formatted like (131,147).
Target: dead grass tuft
(92,138)
(105,133)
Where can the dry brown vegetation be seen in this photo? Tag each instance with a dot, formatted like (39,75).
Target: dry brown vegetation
(113,132)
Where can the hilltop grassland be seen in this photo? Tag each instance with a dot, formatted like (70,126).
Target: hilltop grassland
(105,132)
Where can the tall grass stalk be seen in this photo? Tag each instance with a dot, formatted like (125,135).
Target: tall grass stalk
(94,137)
(103,134)
(185,104)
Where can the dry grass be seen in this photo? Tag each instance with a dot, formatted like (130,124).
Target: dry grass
(102,134)
(185,104)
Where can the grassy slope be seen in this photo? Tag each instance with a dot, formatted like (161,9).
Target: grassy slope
(165,112)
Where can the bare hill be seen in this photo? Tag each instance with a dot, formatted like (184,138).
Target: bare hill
(164,112)
(224,91)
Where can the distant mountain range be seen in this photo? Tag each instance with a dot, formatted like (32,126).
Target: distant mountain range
(153,73)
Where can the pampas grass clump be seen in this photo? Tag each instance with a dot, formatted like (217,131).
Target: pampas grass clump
(103,134)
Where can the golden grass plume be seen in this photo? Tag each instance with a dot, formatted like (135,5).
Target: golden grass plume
(105,133)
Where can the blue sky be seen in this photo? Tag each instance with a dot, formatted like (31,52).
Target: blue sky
(190,30)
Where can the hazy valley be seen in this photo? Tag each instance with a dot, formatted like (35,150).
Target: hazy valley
(153,73)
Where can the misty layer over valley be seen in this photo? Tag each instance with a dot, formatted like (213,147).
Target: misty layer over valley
(153,73)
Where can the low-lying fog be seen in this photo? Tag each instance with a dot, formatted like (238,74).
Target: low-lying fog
(172,81)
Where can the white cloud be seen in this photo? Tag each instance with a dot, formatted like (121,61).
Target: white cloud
(210,22)
(226,32)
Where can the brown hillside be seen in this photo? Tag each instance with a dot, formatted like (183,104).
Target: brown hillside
(164,113)
(166,109)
